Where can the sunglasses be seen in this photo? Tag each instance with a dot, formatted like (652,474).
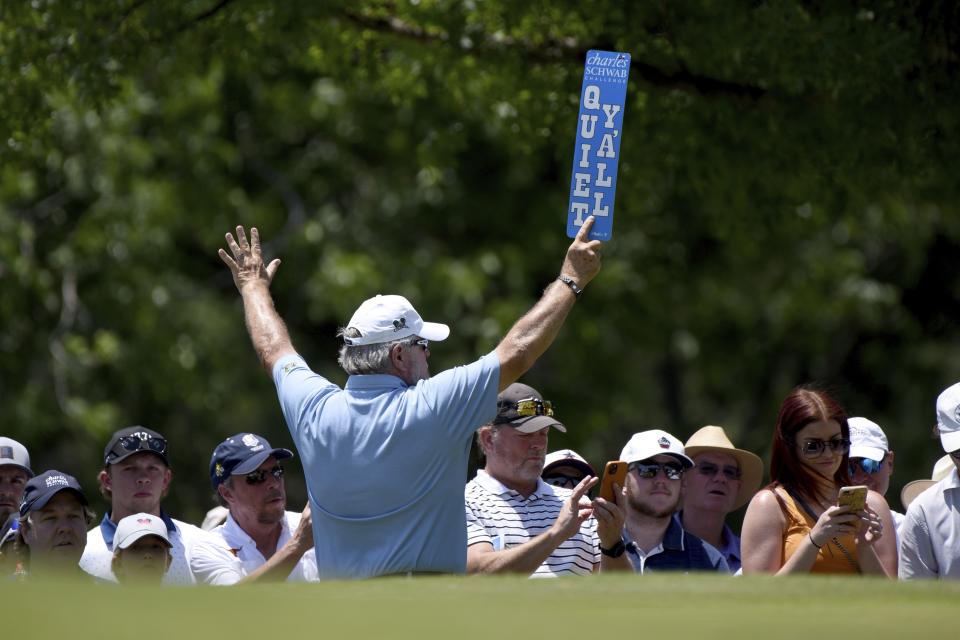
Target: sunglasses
(649,471)
(534,407)
(561,480)
(422,342)
(815,447)
(868,465)
(260,475)
(137,443)
(710,470)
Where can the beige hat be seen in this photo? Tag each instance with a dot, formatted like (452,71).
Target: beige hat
(751,466)
(913,489)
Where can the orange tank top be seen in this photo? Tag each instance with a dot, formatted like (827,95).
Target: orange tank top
(838,555)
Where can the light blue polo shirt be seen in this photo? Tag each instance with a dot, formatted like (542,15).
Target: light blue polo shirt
(386,463)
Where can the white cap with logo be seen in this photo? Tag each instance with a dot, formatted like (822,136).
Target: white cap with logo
(867,439)
(14,453)
(132,528)
(655,442)
(948,418)
(388,318)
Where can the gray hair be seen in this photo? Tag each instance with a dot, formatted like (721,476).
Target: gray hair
(494,430)
(368,358)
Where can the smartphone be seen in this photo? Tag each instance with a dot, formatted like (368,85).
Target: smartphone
(854,497)
(614,471)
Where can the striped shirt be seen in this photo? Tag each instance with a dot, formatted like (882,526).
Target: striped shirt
(503,518)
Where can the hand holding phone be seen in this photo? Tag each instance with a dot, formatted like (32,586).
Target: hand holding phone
(615,471)
(854,497)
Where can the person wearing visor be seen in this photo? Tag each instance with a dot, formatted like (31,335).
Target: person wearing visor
(931,527)
(871,460)
(385,456)
(135,478)
(141,550)
(652,539)
(565,468)
(270,542)
(516,522)
(54,515)
(794,524)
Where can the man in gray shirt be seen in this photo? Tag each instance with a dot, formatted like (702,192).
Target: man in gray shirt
(930,534)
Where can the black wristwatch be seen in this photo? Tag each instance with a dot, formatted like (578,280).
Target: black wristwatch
(570,282)
(615,551)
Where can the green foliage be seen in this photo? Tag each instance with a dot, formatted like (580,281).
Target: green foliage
(786,209)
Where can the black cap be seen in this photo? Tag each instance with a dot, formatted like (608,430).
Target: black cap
(39,490)
(130,440)
(509,411)
(241,454)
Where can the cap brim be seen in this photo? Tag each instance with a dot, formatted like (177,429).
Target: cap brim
(653,453)
(136,535)
(42,501)
(133,453)
(950,441)
(569,462)
(254,462)
(434,331)
(10,462)
(913,489)
(535,423)
(872,453)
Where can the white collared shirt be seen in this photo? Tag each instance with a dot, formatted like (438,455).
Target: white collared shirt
(503,518)
(930,533)
(245,548)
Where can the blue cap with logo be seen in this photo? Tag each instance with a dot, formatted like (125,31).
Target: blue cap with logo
(40,489)
(241,454)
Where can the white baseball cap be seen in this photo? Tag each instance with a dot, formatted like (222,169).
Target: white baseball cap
(14,453)
(388,318)
(567,458)
(132,528)
(655,442)
(867,439)
(948,418)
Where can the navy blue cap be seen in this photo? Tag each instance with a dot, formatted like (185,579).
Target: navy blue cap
(39,490)
(241,454)
(130,440)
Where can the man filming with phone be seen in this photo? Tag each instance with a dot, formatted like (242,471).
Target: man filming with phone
(386,456)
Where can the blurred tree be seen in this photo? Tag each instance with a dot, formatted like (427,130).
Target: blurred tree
(786,208)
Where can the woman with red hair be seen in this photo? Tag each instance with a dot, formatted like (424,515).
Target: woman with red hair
(794,525)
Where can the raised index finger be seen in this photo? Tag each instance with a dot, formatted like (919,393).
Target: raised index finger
(584,233)
(581,489)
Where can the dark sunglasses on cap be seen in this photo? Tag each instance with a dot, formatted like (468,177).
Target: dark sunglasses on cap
(260,475)
(710,470)
(562,480)
(649,471)
(866,464)
(815,447)
(534,407)
(136,443)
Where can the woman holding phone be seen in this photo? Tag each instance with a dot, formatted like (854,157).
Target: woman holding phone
(794,525)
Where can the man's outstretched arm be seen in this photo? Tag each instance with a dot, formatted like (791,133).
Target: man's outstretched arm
(535,331)
(252,277)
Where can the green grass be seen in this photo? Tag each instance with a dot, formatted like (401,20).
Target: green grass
(630,606)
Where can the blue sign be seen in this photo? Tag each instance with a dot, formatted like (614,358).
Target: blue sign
(596,155)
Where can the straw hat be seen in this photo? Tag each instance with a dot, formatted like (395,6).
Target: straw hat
(913,489)
(751,466)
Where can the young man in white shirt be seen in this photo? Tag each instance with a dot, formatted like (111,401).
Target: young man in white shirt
(135,478)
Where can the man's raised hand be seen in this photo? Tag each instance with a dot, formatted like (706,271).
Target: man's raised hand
(582,262)
(247,264)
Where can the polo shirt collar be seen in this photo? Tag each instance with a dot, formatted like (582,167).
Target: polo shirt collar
(497,488)
(237,538)
(374,382)
(675,536)
(108,528)
(952,481)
